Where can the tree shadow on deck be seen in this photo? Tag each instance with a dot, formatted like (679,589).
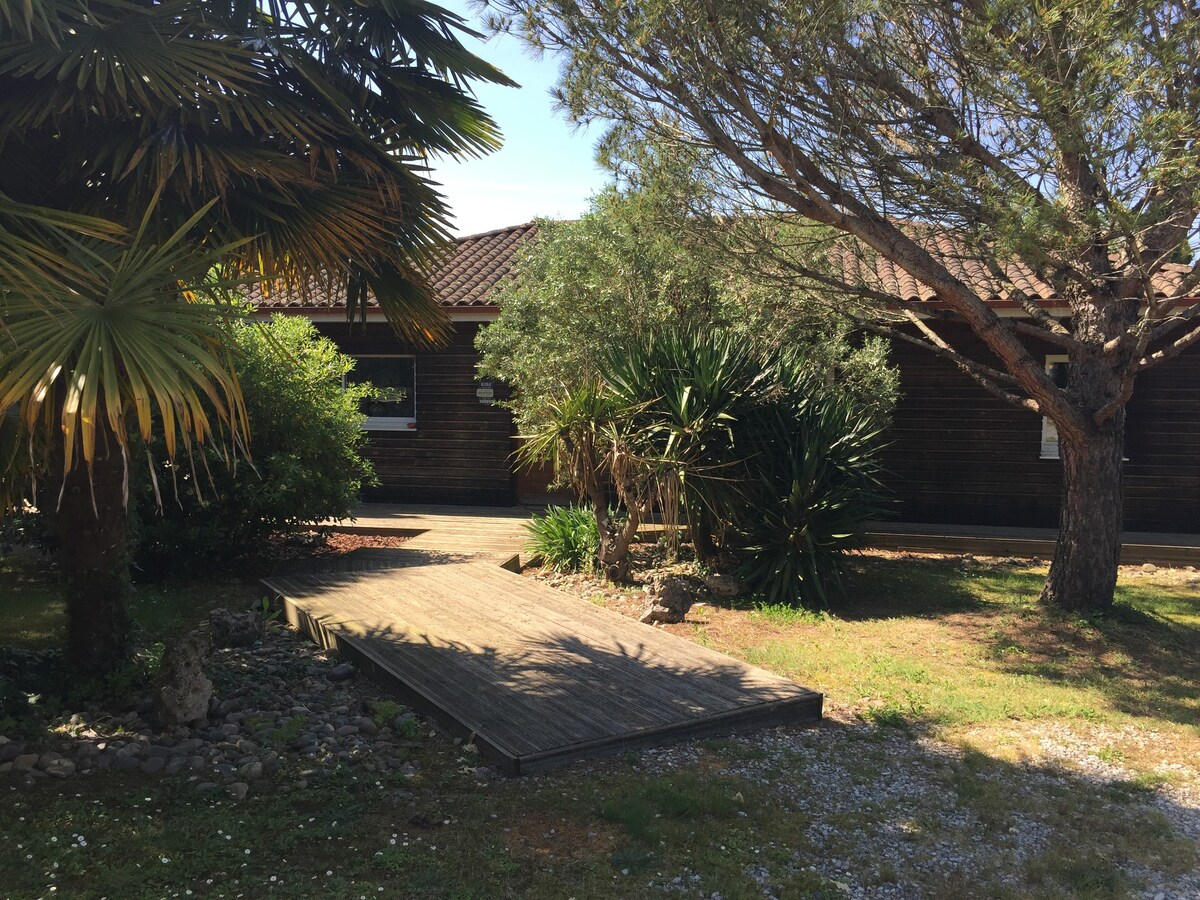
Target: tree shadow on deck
(541,684)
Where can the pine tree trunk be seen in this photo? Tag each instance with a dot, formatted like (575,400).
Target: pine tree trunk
(92,537)
(1083,574)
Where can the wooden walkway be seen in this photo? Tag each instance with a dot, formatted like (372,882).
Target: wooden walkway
(1136,547)
(537,677)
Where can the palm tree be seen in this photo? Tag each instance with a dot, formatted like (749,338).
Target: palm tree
(145,147)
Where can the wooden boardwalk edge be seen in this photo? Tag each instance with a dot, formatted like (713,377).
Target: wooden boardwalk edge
(805,708)
(534,678)
(359,652)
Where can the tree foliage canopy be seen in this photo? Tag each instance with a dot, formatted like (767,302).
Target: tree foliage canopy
(143,145)
(647,258)
(1061,134)
(306,438)
(151,153)
(978,147)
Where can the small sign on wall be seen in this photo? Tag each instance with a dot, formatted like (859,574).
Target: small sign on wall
(486,392)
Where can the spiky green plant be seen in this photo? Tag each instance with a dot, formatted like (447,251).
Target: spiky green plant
(565,537)
(813,482)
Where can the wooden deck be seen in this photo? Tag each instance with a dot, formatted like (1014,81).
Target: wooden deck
(538,677)
(1136,547)
(495,532)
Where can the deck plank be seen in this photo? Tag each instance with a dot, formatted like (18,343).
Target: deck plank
(539,677)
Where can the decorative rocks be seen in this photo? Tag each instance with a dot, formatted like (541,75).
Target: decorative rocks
(238,790)
(25,762)
(672,595)
(725,587)
(230,628)
(280,707)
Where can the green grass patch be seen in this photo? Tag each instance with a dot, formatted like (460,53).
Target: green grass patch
(921,643)
(781,614)
(934,641)
(32,613)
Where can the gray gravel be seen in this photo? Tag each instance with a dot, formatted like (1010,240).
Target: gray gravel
(887,821)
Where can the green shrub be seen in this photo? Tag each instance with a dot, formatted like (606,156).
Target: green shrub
(768,458)
(566,538)
(304,465)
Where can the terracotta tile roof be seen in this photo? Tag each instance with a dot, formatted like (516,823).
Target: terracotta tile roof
(477,263)
(463,280)
(882,274)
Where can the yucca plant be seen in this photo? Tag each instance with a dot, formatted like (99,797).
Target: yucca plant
(565,537)
(686,390)
(300,128)
(813,482)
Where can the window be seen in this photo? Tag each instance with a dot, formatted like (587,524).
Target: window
(396,378)
(1056,368)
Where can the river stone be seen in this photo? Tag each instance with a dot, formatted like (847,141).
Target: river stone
(59,768)
(182,690)
(127,761)
(25,762)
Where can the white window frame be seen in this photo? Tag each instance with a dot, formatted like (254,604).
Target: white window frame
(389,423)
(1049,448)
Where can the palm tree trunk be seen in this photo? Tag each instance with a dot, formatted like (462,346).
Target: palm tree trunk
(90,522)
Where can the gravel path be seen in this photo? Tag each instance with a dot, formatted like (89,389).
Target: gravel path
(893,811)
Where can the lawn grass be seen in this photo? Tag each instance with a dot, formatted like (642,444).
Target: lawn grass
(934,641)
(946,684)
(725,818)
(32,614)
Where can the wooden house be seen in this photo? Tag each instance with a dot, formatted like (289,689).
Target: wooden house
(957,455)
(446,440)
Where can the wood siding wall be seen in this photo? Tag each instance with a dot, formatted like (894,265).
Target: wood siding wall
(459,451)
(961,456)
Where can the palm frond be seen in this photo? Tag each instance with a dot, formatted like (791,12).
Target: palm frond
(310,123)
(134,352)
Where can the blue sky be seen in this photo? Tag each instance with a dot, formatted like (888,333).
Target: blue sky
(546,167)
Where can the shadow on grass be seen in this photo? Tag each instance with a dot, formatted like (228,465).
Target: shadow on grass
(923,587)
(797,811)
(1143,656)
(945,642)
(884,804)
(35,681)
